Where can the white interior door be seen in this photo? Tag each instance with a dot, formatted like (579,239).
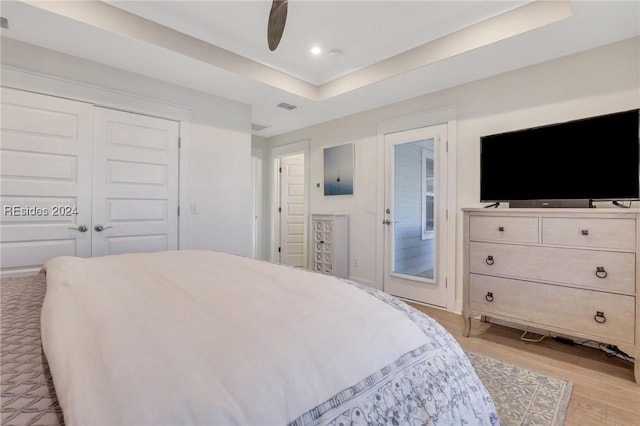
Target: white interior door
(292,210)
(46,179)
(415,220)
(135,189)
(256,209)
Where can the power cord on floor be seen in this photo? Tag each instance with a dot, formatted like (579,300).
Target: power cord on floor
(608,349)
(526,339)
(613,350)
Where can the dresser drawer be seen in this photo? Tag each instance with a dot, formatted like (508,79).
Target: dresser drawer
(557,265)
(504,228)
(561,308)
(589,232)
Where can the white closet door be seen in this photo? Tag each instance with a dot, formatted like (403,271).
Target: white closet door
(135,183)
(46,179)
(292,210)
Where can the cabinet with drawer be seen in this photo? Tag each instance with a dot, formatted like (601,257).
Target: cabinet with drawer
(330,239)
(569,271)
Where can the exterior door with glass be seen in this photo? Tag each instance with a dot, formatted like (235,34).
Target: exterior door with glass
(415,214)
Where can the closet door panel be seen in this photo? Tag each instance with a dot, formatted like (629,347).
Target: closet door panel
(46,179)
(135,192)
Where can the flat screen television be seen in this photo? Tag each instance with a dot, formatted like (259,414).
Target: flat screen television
(595,159)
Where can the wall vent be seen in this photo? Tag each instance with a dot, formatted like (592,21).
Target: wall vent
(4,23)
(286,106)
(257,127)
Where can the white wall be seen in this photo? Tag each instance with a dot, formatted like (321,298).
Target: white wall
(594,82)
(220,184)
(216,145)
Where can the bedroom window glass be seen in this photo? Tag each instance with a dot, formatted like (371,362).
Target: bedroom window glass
(427,194)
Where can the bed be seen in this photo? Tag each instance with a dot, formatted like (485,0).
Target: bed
(198,337)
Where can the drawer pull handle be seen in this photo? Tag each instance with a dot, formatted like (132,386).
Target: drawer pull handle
(585,232)
(599,317)
(600,272)
(501,228)
(489,297)
(489,260)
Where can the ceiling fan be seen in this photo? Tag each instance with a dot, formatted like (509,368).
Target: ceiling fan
(277,19)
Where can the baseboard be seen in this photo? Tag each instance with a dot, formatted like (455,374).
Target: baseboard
(20,273)
(458,307)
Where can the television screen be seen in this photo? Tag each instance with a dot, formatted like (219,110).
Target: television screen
(594,158)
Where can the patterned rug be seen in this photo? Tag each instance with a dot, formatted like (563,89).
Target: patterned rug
(521,396)
(28,396)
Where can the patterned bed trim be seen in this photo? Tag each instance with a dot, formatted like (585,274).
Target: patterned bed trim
(424,383)
(354,391)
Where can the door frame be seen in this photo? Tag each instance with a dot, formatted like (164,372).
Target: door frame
(277,152)
(446,115)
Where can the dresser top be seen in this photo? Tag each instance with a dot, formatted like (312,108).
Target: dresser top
(551,210)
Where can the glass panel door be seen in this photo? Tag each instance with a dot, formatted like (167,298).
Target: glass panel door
(413,215)
(415,222)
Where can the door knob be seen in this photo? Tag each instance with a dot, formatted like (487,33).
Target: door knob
(100,228)
(81,228)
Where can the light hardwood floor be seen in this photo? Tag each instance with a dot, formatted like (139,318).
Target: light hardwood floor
(604,391)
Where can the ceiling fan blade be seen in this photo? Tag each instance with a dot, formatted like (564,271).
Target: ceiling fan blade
(277,19)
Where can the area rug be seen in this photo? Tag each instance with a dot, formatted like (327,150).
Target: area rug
(521,396)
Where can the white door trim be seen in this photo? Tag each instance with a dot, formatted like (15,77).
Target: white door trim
(61,87)
(276,153)
(422,119)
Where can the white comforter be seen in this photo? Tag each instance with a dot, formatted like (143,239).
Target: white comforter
(201,337)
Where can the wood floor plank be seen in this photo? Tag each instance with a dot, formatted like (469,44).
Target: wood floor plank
(604,389)
(621,418)
(586,411)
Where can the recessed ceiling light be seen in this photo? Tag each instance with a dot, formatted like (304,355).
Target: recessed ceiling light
(315,50)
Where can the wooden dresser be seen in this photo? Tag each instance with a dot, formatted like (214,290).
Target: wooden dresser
(569,271)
